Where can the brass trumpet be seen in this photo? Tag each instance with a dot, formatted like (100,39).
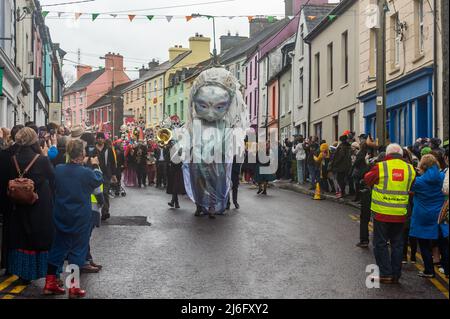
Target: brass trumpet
(164,136)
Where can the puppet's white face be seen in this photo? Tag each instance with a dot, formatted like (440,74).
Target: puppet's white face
(211,102)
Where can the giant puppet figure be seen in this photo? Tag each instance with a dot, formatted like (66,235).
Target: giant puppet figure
(216,122)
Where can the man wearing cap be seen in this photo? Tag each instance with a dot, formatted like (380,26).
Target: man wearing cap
(391,180)
(109,167)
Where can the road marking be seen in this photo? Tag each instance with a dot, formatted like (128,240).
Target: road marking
(436,270)
(8,282)
(434,281)
(16,291)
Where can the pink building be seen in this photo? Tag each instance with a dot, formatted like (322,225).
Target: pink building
(91,86)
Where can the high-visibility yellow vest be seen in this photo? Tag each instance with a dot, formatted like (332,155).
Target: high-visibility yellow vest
(93,198)
(391,195)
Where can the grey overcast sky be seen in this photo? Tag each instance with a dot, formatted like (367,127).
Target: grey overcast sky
(141,40)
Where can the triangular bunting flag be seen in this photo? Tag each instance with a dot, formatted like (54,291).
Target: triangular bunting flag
(94,16)
(169,18)
(77,15)
(45,13)
(113,15)
(250,18)
(60,14)
(209,17)
(131,17)
(270,19)
(312,17)
(230,17)
(332,17)
(150,18)
(188,18)
(291,17)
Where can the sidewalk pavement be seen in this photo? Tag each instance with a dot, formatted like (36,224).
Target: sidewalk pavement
(304,189)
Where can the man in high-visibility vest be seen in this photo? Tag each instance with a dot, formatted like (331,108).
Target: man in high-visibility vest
(391,180)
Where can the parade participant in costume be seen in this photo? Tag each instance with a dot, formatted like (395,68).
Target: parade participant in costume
(162,157)
(151,163)
(215,106)
(175,182)
(141,162)
(261,178)
(235,172)
(130,177)
(72,216)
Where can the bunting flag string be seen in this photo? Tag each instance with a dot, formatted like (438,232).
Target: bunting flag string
(131,17)
(331,17)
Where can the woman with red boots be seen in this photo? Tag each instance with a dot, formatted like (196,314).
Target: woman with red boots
(74,184)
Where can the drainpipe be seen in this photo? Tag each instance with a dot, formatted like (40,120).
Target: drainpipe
(309,90)
(267,100)
(278,111)
(435,70)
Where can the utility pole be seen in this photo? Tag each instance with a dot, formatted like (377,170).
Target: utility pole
(381,75)
(445,64)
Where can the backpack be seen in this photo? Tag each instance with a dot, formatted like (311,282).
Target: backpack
(21,190)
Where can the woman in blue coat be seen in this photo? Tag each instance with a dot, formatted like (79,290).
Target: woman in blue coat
(72,212)
(428,200)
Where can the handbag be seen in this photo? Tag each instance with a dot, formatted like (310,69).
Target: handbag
(21,190)
(443,216)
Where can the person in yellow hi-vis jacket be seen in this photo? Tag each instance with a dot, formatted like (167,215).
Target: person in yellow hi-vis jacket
(97,203)
(391,181)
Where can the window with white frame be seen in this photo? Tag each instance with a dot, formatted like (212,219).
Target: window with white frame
(301,91)
(372,53)
(420,26)
(330,66)
(345,64)
(317,74)
(397,36)
(302,42)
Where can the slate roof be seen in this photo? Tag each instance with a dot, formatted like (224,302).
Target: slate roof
(318,10)
(248,45)
(324,23)
(106,98)
(84,81)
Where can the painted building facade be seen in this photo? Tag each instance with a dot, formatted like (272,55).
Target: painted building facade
(410,73)
(309,17)
(334,46)
(91,86)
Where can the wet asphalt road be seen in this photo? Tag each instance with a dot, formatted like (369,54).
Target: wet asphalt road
(284,245)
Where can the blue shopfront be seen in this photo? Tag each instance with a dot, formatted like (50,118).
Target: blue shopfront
(409,108)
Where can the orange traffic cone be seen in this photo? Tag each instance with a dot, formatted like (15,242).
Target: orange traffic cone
(317,195)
